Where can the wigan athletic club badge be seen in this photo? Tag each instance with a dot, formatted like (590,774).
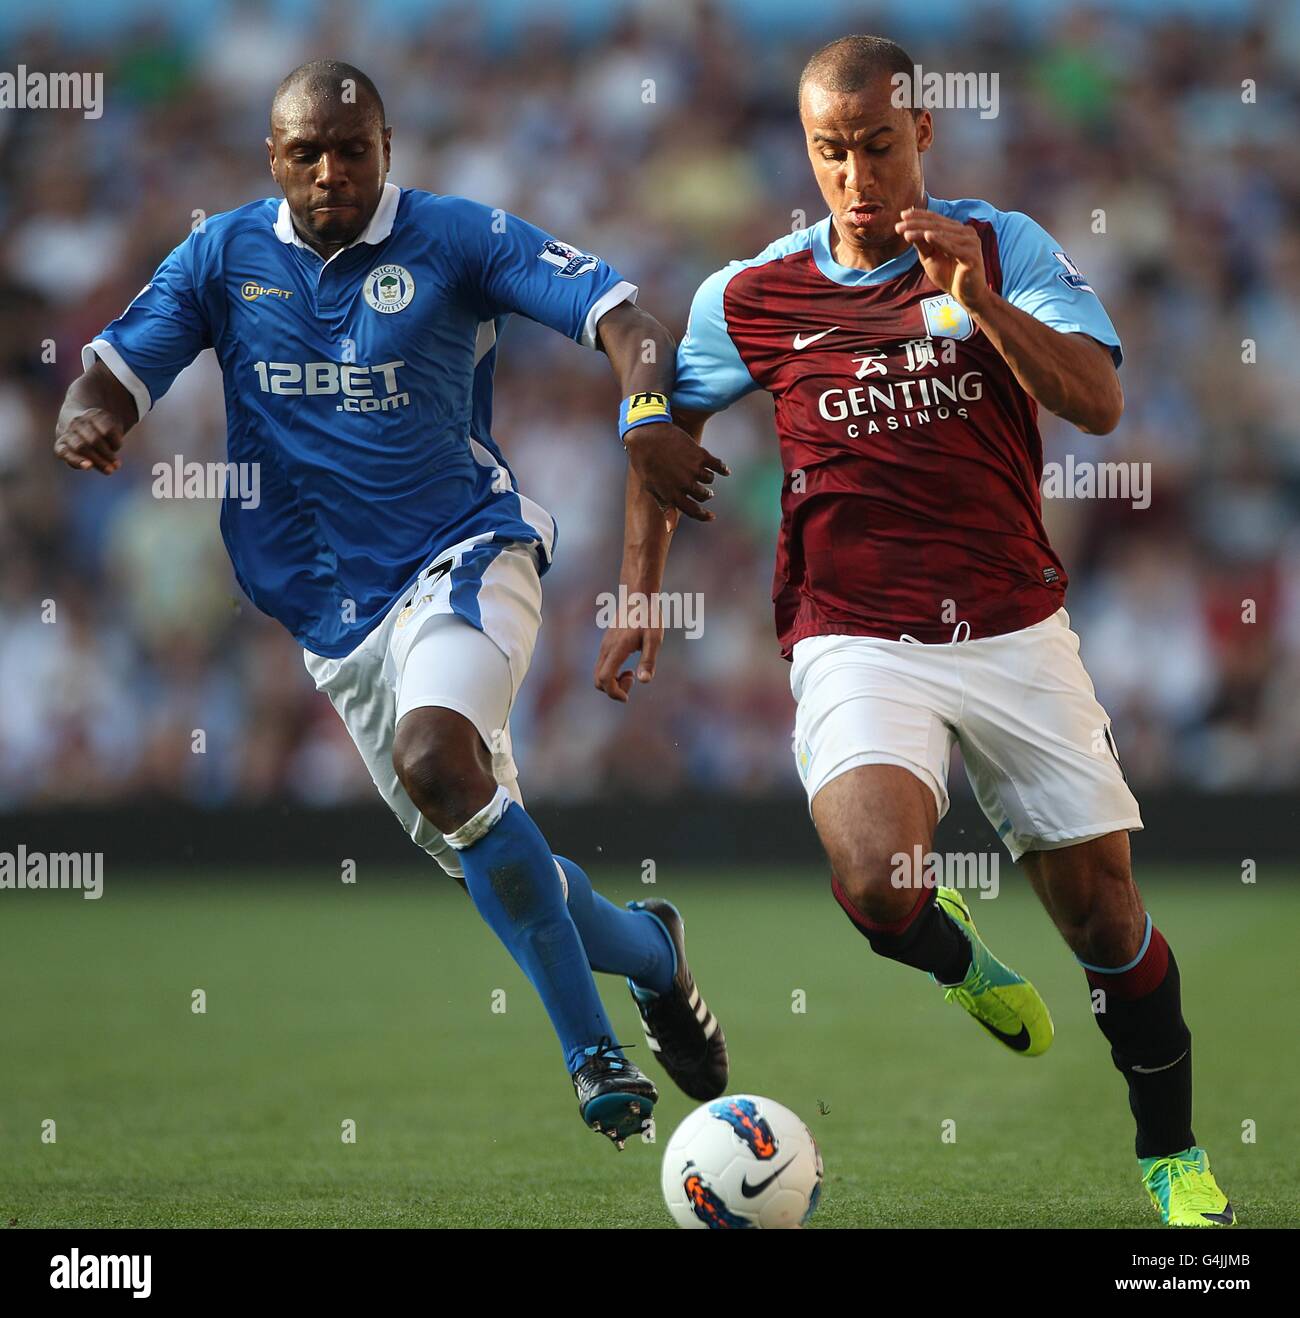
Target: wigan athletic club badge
(389,288)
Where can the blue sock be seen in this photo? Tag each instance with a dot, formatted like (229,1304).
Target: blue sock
(512,880)
(619,941)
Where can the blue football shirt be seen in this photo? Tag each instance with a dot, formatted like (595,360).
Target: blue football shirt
(362,388)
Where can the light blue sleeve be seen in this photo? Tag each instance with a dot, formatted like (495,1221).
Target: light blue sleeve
(1040,279)
(710,373)
(513,266)
(159,334)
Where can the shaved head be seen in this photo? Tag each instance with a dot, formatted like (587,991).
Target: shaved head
(326,81)
(329,151)
(850,64)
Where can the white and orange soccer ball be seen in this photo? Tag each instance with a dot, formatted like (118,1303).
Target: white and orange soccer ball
(742,1161)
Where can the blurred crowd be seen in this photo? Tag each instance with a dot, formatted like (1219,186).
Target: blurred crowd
(665,139)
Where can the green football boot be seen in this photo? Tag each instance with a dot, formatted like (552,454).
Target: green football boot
(1183,1190)
(1005,1004)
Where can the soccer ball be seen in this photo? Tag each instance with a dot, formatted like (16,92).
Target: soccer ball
(742,1161)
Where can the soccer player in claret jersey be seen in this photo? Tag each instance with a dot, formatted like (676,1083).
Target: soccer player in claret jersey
(908,343)
(356,324)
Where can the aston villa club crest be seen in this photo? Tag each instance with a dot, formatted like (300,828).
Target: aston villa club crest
(389,288)
(946,318)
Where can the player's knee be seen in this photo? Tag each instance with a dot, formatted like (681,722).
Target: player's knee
(1104,937)
(1106,932)
(437,759)
(421,768)
(876,879)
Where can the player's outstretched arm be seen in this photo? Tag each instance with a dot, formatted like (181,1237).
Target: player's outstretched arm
(673,468)
(647,536)
(97,412)
(1071,375)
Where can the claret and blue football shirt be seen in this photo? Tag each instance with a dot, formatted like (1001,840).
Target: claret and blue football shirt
(912,455)
(361,386)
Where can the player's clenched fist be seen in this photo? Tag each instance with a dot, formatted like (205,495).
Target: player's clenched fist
(90,439)
(950,253)
(674,468)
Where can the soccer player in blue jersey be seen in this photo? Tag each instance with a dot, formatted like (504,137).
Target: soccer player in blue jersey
(356,324)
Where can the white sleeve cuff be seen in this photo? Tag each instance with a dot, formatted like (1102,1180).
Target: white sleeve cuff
(115,362)
(620,293)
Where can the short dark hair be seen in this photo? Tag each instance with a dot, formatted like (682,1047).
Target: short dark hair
(848,64)
(325,78)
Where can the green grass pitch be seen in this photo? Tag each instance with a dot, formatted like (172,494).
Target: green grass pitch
(373,1003)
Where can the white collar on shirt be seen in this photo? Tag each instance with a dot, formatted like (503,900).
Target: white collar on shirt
(380,226)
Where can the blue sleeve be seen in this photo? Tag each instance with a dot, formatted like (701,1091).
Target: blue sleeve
(1040,279)
(710,373)
(159,334)
(513,266)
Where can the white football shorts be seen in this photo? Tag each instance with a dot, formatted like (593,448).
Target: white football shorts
(461,638)
(1036,743)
